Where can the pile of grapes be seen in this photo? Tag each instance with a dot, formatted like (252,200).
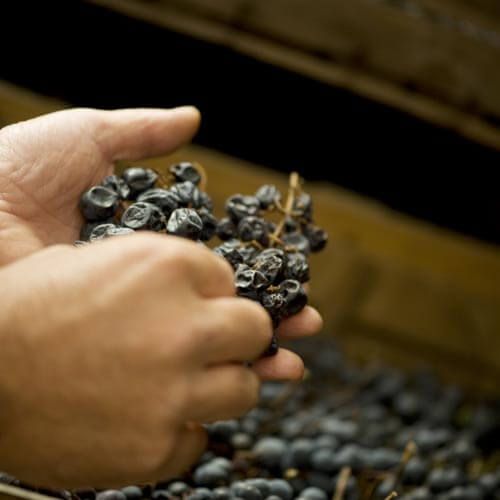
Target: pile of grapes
(269,257)
(344,433)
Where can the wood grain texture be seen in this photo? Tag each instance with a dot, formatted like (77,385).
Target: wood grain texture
(439,62)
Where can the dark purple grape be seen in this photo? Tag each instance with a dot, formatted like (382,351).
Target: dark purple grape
(222,430)
(269,451)
(271,266)
(249,282)
(222,493)
(178,488)
(281,489)
(165,200)
(268,195)
(312,493)
(200,494)
(210,475)
(469,492)
(261,484)
(294,295)
(88,227)
(132,492)
(160,494)
(415,471)
(302,206)
(444,479)
(143,216)
(185,171)
(239,206)
(209,224)
(230,251)
(118,185)
(111,495)
(185,222)
(316,236)
(245,491)
(226,229)
(299,454)
(139,179)
(253,229)
(296,267)
(297,242)
(99,203)
(381,458)
(272,348)
(204,201)
(187,194)
(104,231)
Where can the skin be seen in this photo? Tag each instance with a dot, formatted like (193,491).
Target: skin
(113,355)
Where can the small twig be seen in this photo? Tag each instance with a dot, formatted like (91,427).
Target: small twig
(164,181)
(290,199)
(345,474)
(391,496)
(291,473)
(409,452)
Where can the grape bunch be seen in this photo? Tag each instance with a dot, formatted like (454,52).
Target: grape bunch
(270,258)
(134,202)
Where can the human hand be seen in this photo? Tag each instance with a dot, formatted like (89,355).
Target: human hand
(46,163)
(105,374)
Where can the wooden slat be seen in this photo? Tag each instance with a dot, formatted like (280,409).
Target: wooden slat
(12,492)
(439,70)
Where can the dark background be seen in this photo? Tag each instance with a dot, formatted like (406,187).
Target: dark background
(89,56)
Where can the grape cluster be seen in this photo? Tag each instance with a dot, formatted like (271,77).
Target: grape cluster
(345,433)
(270,259)
(133,202)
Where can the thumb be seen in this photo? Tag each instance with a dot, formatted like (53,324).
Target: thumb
(133,134)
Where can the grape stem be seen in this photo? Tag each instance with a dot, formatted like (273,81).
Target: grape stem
(293,187)
(409,452)
(345,474)
(391,496)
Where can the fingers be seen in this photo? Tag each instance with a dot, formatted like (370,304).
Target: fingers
(187,262)
(132,134)
(286,365)
(306,323)
(223,392)
(237,329)
(191,443)
(211,275)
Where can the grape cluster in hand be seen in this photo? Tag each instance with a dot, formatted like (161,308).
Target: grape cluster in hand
(133,202)
(270,258)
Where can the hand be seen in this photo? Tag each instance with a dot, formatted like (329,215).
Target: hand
(105,374)
(46,163)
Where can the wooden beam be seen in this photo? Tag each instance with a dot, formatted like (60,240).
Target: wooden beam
(441,75)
